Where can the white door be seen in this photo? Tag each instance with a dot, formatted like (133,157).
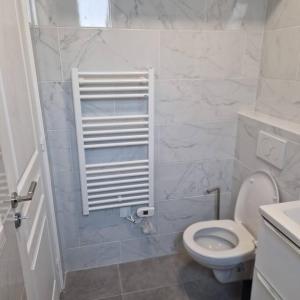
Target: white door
(22,136)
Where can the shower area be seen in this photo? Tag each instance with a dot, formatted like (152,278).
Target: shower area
(217,73)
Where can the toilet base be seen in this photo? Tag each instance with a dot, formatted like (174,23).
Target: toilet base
(240,272)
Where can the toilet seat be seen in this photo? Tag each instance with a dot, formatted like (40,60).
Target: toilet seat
(226,246)
(242,251)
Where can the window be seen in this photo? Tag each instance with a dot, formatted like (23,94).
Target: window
(93,13)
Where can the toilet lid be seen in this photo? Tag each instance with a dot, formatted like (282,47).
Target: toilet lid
(258,189)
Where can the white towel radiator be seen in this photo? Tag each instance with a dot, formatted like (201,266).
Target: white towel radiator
(122,182)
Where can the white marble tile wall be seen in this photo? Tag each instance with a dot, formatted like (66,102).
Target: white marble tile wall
(278,93)
(288,178)
(155,14)
(206,55)
(176,181)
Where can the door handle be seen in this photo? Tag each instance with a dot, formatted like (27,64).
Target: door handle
(16,199)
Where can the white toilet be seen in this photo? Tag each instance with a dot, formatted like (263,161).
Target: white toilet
(226,246)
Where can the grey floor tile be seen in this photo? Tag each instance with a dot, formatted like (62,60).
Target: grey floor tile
(168,270)
(175,277)
(189,270)
(165,293)
(200,290)
(92,284)
(148,274)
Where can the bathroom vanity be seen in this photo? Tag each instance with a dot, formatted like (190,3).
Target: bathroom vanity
(277,266)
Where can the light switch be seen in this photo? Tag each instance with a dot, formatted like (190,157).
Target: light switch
(271,149)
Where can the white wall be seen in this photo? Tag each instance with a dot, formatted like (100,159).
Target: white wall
(288,179)
(279,89)
(278,101)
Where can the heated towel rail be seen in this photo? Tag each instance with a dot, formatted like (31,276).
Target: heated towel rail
(114,183)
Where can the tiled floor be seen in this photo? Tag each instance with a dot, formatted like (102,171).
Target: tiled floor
(175,277)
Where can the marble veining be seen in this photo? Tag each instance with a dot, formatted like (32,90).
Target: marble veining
(57,103)
(81,47)
(252,57)
(197,101)
(281,53)
(278,92)
(201,55)
(176,215)
(236,14)
(279,98)
(189,142)
(166,14)
(155,14)
(288,177)
(60,150)
(177,181)
(57,13)
(282,14)
(47,53)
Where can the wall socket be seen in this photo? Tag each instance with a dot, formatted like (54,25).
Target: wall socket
(145,212)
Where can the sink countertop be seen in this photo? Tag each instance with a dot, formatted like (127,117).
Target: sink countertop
(285,217)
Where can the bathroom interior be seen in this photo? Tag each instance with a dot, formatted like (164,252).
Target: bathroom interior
(149,149)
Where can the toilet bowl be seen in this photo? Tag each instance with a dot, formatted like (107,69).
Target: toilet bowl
(228,246)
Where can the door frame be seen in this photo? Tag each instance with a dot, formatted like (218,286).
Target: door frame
(42,143)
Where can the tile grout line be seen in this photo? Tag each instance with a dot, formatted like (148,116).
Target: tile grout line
(179,282)
(60,55)
(153,289)
(120,279)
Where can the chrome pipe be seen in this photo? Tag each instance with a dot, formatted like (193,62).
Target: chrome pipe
(216,190)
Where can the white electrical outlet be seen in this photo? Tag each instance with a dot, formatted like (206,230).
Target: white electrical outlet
(145,212)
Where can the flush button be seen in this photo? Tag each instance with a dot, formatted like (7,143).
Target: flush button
(271,149)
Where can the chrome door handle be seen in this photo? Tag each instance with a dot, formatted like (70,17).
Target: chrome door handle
(16,199)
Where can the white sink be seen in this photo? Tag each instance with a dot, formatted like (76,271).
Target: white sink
(285,217)
(294,214)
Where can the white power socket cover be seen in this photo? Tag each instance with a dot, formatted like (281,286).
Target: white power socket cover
(145,212)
